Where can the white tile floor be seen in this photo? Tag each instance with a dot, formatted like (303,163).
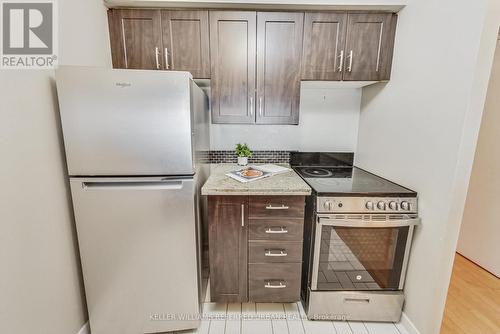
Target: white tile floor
(276,318)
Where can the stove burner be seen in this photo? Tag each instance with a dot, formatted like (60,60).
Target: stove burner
(317,172)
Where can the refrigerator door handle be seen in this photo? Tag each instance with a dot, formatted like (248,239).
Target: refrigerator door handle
(140,185)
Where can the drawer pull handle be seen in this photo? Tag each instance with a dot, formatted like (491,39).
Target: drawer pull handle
(271,285)
(275,252)
(276,230)
(282,207)
(356,300)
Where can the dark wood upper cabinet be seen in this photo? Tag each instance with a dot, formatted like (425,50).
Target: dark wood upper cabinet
(135,38)
(255,60)
(255,66)
(279,54)
(232,58)
(185,41)
(151,39)
(324,41)
(369,46)
(227,233)
(348,46)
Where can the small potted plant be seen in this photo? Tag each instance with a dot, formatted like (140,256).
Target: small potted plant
(243,153)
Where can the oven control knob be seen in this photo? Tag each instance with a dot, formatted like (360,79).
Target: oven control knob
(393,205)
(405,205)
(381,205)
(369,205)
(328,205)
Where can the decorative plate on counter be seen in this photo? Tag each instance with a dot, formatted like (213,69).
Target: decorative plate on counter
(250,172)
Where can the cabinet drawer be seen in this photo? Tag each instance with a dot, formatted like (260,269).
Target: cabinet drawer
(276,206)
(276,229)
(272,251)
(274,282)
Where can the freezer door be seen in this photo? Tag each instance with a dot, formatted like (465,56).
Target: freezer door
(125,122)
(137,240)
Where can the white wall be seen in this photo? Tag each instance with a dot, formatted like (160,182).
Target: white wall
(83,33)
(40,282)
(329,120)
(420,130)
(480,232)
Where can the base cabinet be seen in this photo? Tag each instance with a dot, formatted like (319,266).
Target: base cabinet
(227,237)
(255,248)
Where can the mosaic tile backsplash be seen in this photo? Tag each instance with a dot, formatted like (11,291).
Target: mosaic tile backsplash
(258,157)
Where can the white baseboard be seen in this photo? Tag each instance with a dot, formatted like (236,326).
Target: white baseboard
(407,325)
(85,329)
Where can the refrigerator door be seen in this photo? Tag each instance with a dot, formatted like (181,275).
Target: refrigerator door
(125,122)
(137,239)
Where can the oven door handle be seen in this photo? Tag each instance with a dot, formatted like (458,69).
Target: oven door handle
(369,223)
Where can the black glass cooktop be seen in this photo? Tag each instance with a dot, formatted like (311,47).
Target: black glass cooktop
(343,179)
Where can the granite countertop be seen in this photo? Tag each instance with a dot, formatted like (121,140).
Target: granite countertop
(289,183)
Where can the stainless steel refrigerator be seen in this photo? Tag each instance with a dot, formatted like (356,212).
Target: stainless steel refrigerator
(135,144)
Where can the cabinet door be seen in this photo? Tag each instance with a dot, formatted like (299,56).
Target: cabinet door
(324,41)
(369,46)
(185,41)
(232,59)
(135,36)
(279,53)
(227,234)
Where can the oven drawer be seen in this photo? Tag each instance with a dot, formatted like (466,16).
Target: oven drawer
(274,282)
(276,206)
(276,229)
(354,305)
(274,251)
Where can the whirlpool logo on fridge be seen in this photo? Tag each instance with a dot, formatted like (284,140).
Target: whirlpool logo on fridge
(29,34)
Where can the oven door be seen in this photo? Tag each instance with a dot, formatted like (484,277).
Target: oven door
(361,252)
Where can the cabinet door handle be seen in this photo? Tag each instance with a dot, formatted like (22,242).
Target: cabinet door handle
(275,285)
(243,215)
(260,106)
(275,252)
(251,105)
(276,230)
(166,59)
(341,62)
(349,68)
(282,207)
(157,57)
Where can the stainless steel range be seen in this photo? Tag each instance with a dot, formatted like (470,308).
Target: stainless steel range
(358,235)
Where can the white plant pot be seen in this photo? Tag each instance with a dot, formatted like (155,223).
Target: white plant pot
(242,161)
